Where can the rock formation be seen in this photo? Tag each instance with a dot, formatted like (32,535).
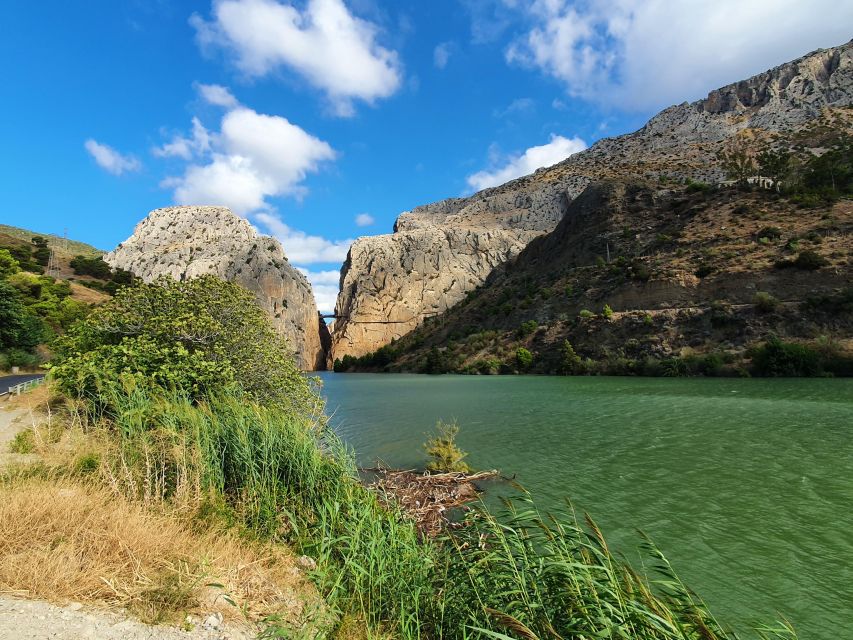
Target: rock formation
(440,252)
(186,242)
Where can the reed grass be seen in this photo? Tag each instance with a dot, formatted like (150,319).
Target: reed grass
(518,573)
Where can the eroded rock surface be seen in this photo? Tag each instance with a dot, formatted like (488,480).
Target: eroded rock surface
(191,241)
(440,252)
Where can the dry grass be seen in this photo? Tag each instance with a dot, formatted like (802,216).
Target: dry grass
(82,293)
(68,540)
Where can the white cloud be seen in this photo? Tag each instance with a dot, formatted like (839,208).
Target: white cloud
(186,148)
(559,148)
(364,219)
(218,95)
(111,160)
(300,247)
(327,45)
(639,54)
(519,105)
(441,54)
(254,157)
(325,286)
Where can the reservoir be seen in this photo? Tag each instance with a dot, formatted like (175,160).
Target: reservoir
(745,484)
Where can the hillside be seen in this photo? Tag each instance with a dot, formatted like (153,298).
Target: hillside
(440,252)
(696,278)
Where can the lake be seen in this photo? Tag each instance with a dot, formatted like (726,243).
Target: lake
(745,484)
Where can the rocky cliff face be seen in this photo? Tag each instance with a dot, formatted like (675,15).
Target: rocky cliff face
(187,242)
(440,252)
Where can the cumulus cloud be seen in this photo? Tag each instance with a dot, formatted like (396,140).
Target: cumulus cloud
(325,285)
(327,45)
(253,157)
(441,54)
(639,54)
(559,148)
(364,220)
(301,247)
(111,160)
(217,95)
(186,147)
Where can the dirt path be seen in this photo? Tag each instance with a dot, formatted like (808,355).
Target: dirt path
(11,422)
(38,620)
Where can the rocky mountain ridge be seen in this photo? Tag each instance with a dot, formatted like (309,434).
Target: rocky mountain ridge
(189,241)
(391,283)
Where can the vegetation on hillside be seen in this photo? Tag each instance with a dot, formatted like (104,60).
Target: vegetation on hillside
(698,280)
(36,307)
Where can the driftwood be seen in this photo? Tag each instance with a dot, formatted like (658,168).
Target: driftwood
(429,498)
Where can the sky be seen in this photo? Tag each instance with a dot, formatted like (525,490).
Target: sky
(322,120)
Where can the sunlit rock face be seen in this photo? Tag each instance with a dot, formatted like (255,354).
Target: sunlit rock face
(191,241)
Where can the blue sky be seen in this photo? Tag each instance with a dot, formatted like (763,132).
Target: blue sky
(321,120)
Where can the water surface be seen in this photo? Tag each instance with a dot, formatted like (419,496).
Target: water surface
(746,484)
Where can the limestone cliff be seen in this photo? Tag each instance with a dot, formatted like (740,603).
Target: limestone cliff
(440,252)
(186,242)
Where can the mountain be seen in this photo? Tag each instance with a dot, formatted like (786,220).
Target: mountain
(439,253)
(186,242)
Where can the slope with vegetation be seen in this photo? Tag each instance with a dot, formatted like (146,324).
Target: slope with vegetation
(667,278)
(40,298)
(197,422)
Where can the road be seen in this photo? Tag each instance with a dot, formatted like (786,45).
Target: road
(11,381)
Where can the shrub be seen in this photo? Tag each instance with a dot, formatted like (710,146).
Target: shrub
(527,328)
(771,233)
(807,260)
(704,270)
(764,302)
(196,336)
(570,362)
(607,312)
(776,358)
(445,455)
(586,314)
(8,264)
(524,359)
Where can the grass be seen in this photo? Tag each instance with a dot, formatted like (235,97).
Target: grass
(226,464)
(67,539)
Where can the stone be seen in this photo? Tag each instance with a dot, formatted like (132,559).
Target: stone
(440,252)
(190,241)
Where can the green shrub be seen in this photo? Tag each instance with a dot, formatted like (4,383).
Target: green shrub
(764,302)
(523,359)
(607,312)
(8,264)
(776,358)
(586,314)
(445,455)
(771,233)
(807,260)
(570,362)
(527,328)
(196,336)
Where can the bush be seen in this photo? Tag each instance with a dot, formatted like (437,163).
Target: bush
(570,362)
(807,260)
(586,314)
(771,233)
(8,264)
(776,358)
(764,302)
(195,336)
(527,328)
(524,359)
(445,455)
(607,312)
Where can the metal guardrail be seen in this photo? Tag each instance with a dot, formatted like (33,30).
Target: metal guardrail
(18,389)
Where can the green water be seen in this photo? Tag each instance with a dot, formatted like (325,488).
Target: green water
(747,485)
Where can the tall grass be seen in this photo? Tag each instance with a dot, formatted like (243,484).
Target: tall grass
(516,574)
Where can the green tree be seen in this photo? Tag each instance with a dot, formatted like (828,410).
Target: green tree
(8,264)
(737,161)
(570,362)
(41,251)
(523,358)
(198,336)
(774,164)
